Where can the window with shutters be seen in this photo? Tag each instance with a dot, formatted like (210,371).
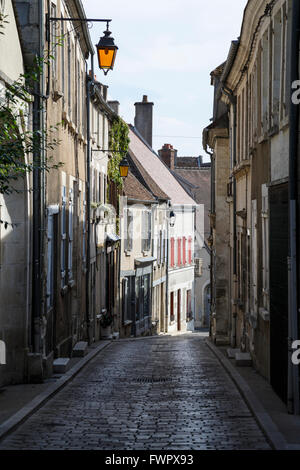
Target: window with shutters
(63,243)
(52,213)
(70,235)
(190,250)
(184,251)
(172,250)
(179,251)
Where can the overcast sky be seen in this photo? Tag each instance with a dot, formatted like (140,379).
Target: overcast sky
(167,49)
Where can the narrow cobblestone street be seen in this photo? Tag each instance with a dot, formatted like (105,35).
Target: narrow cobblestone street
(156,393)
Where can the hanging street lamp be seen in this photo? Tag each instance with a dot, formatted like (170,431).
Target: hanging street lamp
(124,167)
(106,50)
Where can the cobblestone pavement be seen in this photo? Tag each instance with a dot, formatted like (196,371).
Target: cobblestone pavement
(156,393)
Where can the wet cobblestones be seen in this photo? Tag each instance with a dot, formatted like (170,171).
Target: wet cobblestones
(158,393)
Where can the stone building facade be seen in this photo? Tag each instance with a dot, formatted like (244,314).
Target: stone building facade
(254,86)
(16,222)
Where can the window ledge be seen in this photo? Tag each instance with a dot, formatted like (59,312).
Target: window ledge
(127,323)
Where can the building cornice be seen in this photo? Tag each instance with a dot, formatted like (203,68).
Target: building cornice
(255,20)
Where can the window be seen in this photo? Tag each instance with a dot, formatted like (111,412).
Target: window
(172,257)
(157,242)
(254,256)
(70,239)
(179,251)
(190,250)
(54,41)
(165,246)
(69,77)
(62,55)
(84,229)
(265,246)
(161,246)
(265,82)
(172,316)
(189,312)
(198,267)
(104,188)
(52,211)
(63,238)
(100,187)
(146,230)
(276,47)
(184,251)
(128,239)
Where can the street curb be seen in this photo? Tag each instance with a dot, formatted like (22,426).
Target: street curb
(26,411)
(274,436)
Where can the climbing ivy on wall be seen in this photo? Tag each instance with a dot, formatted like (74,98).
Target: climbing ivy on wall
(118,144)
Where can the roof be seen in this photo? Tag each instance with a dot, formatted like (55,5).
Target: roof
(133,189)
(141,174)
(159,172)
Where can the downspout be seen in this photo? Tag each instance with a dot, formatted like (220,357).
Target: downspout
(293,371)
(37,202)
(233,101)
(89,86)
(212,210)
(167,274)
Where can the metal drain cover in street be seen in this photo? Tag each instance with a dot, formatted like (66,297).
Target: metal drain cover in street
(154,379)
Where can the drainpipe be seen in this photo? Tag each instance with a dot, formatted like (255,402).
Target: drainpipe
(167,273)
(233,101)
(89,86)
(293,371)
(37,209)
(212,210)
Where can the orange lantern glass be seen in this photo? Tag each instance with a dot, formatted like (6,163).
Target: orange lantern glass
(107,51)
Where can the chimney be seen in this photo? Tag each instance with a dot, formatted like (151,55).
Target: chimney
(114,105)
(168,155)
(143,120)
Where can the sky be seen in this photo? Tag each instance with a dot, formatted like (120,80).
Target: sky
(167,49)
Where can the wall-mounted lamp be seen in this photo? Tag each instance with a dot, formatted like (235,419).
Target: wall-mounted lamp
(172,218)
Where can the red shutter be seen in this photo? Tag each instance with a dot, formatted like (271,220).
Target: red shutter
(172,252)
(184,250)
(190,250)
(179,251)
